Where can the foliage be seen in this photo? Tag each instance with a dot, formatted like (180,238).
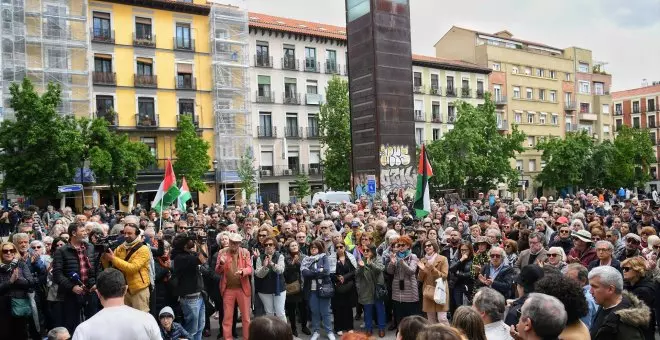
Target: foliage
(335,135)
(247,175)
(565,159)
(192,153)
(474,155)
(597,172)
(633,154)
(302,188)
(41,148)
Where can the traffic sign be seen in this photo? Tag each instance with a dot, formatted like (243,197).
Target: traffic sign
(371,184)
(69,188)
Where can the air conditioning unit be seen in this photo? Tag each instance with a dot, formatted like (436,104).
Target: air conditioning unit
(265,172)
(288,172)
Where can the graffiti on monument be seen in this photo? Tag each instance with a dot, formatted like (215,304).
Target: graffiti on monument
(397,174)
(394,155)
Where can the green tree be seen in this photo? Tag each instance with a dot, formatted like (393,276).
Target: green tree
(597,172)
(633,152)
(335,131)
(247,175)
(474,155)
(192,155)
(565,159)
(40,149)
(302,188)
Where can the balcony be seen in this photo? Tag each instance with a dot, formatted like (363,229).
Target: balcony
(313,169)
(313,99)
(571,128)
(451,119)
(104,78)
(313,132)
(465,92)
(332,68)
(570,106)
(185,84)
(109,115)
(293,132)
(291,98)
(651,124)
(418,89)
(636,111)
(618,113)
(450,92)
(602,92)
(195,119)
(500,100)
(144,80)
(435,91)
(184,44)
(266,132)
(592,117)
(266,171)
(287,170)
(651,109)
(419,116)
(437,118)
(144,41)
(266,97)
(480,94)
(502,125)
(146,120)
(263,60)
(102,36)
(290,63)
(311,65)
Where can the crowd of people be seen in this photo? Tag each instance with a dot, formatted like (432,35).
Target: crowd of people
(581,267)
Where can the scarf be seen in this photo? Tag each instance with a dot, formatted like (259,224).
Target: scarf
(4,267)
(308,261)
(403,254)
(130,245)
(431,259)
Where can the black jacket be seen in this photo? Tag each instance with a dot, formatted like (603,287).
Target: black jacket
(645,290)
(626,321)
(65,262)
(503,281)
(461,271)
(187,273)
(616,264)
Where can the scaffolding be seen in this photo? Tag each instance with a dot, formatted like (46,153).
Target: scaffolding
(46,41)
(229,36)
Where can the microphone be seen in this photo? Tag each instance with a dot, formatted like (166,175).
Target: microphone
(75,277)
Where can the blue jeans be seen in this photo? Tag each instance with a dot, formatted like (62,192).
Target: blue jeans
(320,308)
(193,316)
(380,315)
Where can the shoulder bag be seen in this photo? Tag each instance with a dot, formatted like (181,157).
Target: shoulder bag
(20,307)
(325,289)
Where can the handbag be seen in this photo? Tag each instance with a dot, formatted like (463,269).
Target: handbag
(440,296)
(20,307)
(325,290)
(343,288)
(293,287)
(381,292)
(429,292)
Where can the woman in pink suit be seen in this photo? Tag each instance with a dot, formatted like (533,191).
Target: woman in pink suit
(235,267)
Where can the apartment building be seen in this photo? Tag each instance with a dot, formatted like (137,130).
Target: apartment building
(639,108)
(437,84)
(291,64)
(538,87)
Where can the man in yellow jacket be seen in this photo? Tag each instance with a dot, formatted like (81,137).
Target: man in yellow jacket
(132,259)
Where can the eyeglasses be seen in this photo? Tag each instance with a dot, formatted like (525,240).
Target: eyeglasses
(401,245)
(656,247)
(9,251)
(552,255)
(626,269)
(269,245)
(507,246)
(438,223)
(428,245)
(262,235)
(340,247)
(564,231)
(495,256)
(36,247)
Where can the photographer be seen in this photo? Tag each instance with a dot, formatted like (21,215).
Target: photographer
(74,273)
(188,253)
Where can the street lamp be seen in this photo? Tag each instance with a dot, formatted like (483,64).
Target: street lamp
(215,180)
(522,183)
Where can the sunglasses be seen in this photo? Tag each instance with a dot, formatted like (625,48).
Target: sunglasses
(564,231)
(428,246)
(262,235)
(656,247)
(340,247)
(9,251)
(269,245)
(553,255)
(626,269)
(495,256)
(36,247)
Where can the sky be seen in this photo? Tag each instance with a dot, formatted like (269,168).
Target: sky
(624,34)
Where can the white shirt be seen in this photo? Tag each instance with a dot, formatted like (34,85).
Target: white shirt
(496,331)
(118,323)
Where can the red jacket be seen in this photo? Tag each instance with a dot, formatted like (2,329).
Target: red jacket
(586,257)
(244,263)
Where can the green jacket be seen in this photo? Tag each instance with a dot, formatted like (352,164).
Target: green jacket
(366,279)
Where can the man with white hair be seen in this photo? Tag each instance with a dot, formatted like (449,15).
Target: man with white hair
(542,317)
(621,315)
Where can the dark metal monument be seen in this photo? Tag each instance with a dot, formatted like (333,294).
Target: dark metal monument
(381,99)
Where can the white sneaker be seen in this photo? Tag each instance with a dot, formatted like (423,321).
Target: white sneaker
(340,333)
(315,336)
(331,336)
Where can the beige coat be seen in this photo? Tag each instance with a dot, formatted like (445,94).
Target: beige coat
(438,269)
(576,331)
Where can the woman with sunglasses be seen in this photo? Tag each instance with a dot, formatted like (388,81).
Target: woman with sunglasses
(563,238)
(269,270)
(637,280)
(16,281)
(369,274)
(433,266)
(403,267)
(345,293)
(462,272)
(556,258)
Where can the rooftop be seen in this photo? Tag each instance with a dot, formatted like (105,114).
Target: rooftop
(507,35)
(448,63)
(640,91)
(296,26)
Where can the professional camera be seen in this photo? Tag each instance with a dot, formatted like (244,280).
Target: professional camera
(194,236)
(104,243)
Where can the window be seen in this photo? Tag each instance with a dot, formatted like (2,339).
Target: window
(530,118)
(451,113)
(541,94)
(568,97)
(497,92)
(519,164)
(530,141)
(480,88)
(143,28)
(518,117)
(183,38)
(146,111)
(315,160)
(618,109)
(531,165)
(419,114)
(465,83)
(263,54)
(434,81)
(263,87)
(289,59)
(650,105)
(652,136)
(618,123)
(310,59)
(599,88)
(312,87)
(435,110)
(516,92)
(514,69)
(101,26)
(265,124)
(497,66)
(542,165)
(555,119)
(290,90)
(553,96)
(539,72)
(419,136)
(542,118)
(584,87)
(568,77)
(292,125)
(145,67)
(606,108)
(436,134)
(312,125)
(636,122)
(105,105)
(184,78)
(569,124)
(417,79)
(530,94)
(583,67)
(103,63)
(585,108)
(187,108)
(57,58)
(266,163)
(151,144)
(635,107)
(553,74)
(331,60)
(55,23)
(528,71)
(651,122)
(450,83)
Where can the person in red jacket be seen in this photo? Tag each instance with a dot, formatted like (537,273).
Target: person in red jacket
(583,251)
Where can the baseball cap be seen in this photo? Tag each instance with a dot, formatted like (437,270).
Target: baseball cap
(562,220)
(355,224)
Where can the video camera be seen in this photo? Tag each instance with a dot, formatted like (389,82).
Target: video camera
(104,243)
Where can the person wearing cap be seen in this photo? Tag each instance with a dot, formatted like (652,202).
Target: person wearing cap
(481,248)
(234,264)
(633,243)
(583,251)
(352,237)
(169,329)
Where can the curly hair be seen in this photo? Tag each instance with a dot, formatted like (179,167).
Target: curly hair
(568,292)
(637,263)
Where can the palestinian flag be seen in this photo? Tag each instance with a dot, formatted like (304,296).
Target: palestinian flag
(167,192)
(422,198)
(184,195)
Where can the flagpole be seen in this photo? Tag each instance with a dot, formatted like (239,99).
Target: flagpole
(160,227)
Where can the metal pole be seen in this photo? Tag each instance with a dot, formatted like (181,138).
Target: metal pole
(82,183)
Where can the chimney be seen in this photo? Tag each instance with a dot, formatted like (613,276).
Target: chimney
(645,83)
